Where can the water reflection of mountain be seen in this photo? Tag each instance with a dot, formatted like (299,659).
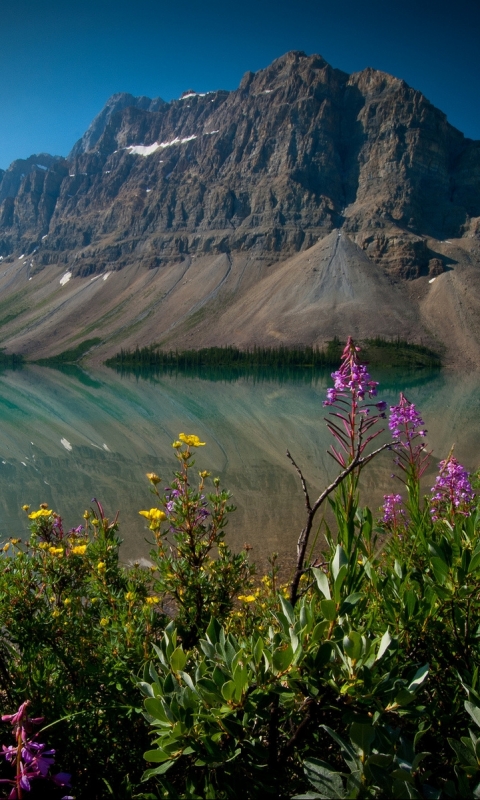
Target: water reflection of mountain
(68,436)
(294,375)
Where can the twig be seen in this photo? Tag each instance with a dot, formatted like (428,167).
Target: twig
(302,543)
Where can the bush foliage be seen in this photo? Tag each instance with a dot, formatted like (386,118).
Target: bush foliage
(358,680)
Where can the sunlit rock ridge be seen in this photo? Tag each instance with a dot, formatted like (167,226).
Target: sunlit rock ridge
(305,204)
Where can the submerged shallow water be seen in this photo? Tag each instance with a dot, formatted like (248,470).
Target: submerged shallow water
(67,436)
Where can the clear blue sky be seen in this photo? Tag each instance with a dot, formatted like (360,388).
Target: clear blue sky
(61,60)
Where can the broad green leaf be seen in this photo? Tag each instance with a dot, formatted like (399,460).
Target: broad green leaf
(282,658)
(319,631)
(240,679)
(257,651)
(384,645)
(327,782)
(350,602)
(342,574)
(353,645)
(464,752)
(362,735)
(329,609)
(347,750)
(228,690)
(149,773)
(419,677)
(475,560)
(287,610)
(187,679)
(322,582)
(339,560)
(157,756)
(178,659)
(156,708)
(474,712)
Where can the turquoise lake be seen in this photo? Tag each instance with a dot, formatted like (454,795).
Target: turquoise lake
(66,437)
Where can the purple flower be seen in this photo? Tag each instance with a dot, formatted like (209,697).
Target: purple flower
(352,418)
(452,493)
(393,513)
(407,427)
(405,421)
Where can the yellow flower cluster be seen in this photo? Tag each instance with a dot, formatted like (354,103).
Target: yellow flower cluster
(152,600)
(79,550)
(246,598)
(154,515)
(101,566)
(42,512)
(153,478)
(130,596)
(56,551)
(190,439)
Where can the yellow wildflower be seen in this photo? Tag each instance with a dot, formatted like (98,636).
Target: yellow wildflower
(79,550)
(43,546)
(42,512)
(152,600)
(101,566)
(86,514)
(155,516)
(94,600)
(190,440)
(104,621)
(130,596)
(153,478)
(25,508)
(15,541)
(246,598)
(55,612)
(95,521)
(56,551)
(176,444)
(6,547)
(67,601)
(204,473)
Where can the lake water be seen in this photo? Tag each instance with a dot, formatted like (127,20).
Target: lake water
(67,437)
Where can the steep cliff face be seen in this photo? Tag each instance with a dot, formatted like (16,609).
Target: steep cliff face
(254,176)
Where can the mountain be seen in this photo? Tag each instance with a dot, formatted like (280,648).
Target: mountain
(305,204)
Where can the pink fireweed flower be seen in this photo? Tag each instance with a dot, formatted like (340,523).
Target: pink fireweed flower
(394,516)
(452,493)
(408,427)
(353,417)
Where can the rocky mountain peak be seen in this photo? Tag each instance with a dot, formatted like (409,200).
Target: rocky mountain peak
(242,181)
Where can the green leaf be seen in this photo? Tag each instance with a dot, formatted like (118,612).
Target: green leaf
(287,610)
(327,782)
(178,659)
(350,602)
(282,658)
(474,712)
(337,586)
(348,752)
(257,651)
(353,645)
(362,735)
(156,756)
(339,560)
(228,690)
(464,752)
(329,609)
(322,582)
(384,645)
(419,677)
(213,630)
(149,773)
(475,560)
(319,631)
